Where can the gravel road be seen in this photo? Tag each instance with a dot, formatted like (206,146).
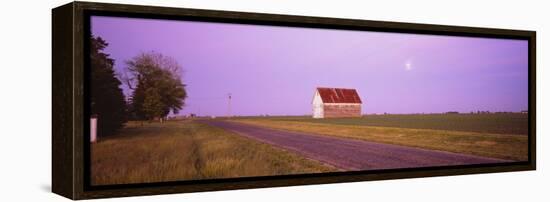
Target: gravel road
(349,154)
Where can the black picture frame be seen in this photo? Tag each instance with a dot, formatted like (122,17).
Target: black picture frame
(70,144)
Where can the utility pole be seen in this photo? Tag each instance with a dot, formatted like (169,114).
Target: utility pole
(229,105)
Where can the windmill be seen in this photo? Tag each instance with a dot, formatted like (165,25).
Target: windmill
(229,105)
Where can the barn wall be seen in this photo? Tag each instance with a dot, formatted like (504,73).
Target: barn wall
(342,110)
(317,105)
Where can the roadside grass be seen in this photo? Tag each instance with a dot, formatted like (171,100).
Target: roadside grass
(502,146)
(187,150)
(500,123)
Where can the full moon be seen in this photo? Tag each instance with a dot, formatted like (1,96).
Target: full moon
(408,66)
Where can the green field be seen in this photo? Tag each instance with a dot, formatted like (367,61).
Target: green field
(496,135)
(187,150)
(502,123)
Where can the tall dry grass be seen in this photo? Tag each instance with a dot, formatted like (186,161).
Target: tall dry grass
(187,150)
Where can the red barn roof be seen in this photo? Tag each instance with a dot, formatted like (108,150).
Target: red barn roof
(339,95)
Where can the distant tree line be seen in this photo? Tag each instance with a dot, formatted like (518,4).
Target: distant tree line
(153,79)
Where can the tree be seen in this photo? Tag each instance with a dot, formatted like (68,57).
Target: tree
(152,104)
(157,86)
(106,96)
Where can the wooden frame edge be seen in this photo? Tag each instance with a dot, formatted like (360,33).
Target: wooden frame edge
(62,96)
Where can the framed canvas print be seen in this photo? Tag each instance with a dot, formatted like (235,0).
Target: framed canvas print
(154,100)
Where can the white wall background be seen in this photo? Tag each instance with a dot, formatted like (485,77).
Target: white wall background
(25,104)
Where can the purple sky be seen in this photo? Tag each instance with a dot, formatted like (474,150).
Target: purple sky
(275,70)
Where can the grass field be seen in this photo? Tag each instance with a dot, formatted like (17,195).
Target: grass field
(449,136)
(502,123)
(190,150)
(187,150)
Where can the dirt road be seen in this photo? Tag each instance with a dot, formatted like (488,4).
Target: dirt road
(348,154)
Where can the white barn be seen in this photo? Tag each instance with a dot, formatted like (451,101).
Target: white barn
(336,102)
